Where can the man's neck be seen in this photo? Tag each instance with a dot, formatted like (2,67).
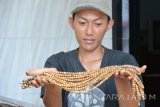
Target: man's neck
(91,59)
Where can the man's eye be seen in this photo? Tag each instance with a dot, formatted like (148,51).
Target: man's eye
(82,23)
(98,24)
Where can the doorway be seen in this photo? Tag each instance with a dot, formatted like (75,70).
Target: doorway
(143,40)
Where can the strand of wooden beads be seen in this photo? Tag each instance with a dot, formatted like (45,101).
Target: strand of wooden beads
(78,81)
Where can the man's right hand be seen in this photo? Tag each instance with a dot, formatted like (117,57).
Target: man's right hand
(39,81)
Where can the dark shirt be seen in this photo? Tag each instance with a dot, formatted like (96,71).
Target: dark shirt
(102,96)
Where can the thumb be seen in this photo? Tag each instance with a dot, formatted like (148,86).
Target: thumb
(143,68)
(33,72)
(39,71)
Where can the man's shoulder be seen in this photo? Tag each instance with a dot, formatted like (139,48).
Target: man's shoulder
(58,60)
(61,54)
(120,57)
(118,53)
(71,52)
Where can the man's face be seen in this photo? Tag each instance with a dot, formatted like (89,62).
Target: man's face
(90,26)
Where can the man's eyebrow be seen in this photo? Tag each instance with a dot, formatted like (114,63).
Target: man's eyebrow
(81,17)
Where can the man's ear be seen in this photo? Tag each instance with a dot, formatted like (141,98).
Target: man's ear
(110,24)
(70,20)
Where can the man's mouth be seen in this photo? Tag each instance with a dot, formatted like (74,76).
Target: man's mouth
(89,41)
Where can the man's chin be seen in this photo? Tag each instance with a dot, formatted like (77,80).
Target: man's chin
(89,48)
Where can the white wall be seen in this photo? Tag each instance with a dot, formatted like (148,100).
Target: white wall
(30,31)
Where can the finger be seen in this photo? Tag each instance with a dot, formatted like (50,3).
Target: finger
(136,71)
(39,81)
(122,74)
(129,78)
(126,74)
(35,83)
(116,74)
(143,68)
(139,70)
(45,82)
(33,72)
(42,81)
(39,71)
(28,72)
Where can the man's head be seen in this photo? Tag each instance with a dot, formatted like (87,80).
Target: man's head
(90,21)
(101,5)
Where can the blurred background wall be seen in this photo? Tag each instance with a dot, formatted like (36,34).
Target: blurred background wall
(31,31)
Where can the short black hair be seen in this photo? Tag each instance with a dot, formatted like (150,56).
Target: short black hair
(73,16)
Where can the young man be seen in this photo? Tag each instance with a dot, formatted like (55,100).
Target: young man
(90,20)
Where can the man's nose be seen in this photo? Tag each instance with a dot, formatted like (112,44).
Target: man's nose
(89,30)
